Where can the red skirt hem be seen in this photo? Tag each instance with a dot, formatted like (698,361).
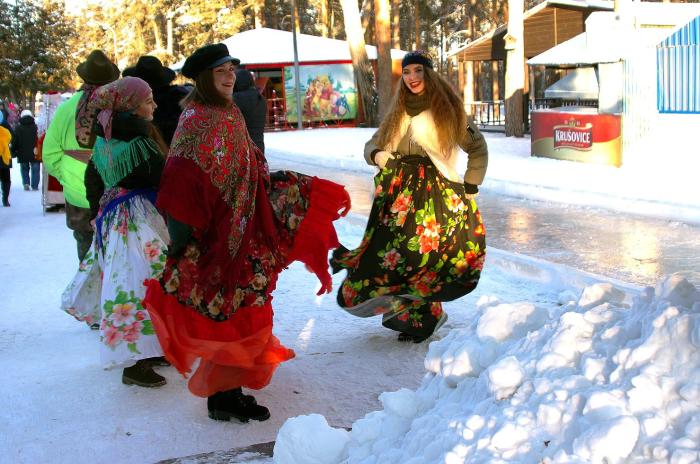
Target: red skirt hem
(228,358)
(242,351)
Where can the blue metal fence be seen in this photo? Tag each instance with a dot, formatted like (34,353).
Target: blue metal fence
(678,70)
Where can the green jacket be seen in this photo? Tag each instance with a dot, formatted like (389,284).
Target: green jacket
(60,136)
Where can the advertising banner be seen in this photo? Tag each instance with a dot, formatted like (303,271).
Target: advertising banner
(587,137)
(327,92)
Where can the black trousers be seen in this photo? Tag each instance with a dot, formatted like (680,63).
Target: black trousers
(5,185)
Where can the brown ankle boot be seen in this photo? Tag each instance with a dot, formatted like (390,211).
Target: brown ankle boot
(143,375)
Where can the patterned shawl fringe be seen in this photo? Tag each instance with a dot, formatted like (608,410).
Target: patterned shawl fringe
(116,159)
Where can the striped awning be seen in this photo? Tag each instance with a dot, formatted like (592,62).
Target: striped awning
(678,70)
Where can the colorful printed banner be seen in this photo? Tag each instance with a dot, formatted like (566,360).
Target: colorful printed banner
(327,92)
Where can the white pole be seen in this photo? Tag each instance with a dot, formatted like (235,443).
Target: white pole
(297,91)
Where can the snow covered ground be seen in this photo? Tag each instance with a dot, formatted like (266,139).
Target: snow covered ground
(529,367)
(58,405)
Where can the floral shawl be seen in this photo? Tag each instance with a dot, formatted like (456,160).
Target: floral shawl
(84,119)
(213,179)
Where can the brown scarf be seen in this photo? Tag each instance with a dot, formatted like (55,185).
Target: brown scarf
(416,104)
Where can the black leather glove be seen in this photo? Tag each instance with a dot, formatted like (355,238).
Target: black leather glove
(471,188)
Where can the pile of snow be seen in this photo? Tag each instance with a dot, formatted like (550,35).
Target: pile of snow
(600,379)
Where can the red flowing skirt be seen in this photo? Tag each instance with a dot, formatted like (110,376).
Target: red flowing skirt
(242,351)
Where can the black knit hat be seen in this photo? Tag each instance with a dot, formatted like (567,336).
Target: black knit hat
(417,57)
(97,69)
(207,57)
(151,70)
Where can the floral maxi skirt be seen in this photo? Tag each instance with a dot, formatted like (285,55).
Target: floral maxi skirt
(424,243)
(224,332)
(129,247)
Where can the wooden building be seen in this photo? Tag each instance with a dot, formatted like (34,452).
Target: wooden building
(545,26)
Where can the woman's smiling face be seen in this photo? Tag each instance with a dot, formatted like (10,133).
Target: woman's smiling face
(414,78)
(146,108)
(224,79)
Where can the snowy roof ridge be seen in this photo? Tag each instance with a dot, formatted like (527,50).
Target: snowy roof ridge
(265,45)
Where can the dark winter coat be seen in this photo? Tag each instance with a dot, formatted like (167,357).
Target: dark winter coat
(24,140)
(125,127)
(167,114)
(252,105)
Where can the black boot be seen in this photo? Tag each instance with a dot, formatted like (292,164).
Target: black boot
(230,404)
(143,375)
(158,361)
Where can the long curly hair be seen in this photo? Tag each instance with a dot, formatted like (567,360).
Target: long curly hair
(447,108)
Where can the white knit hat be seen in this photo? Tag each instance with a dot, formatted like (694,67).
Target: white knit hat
(25,113)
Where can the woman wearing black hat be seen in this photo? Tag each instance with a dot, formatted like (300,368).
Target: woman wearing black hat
(234,226)
(424,242)
(166,96)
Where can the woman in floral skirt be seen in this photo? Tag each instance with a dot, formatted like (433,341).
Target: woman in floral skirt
(131,236)
(424,242)
(234,227)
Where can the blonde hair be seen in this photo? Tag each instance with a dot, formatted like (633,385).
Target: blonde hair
(446,106)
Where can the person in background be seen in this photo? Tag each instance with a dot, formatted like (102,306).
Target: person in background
(131,236)
(425,241)
(68,142)
(166,96)
(5,160)
(253,106)
(13,115)
(24,149)
(234,226)
(4,111)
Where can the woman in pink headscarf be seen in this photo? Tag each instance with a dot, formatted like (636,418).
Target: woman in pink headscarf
(131,236)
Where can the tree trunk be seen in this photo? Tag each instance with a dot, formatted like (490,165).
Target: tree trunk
(332,23)
(323,16)
(382,19)
(156,34)
(258,8)
(366,15)
(360,63)
(515,69)
(416,11)
(495,87)
(297,18)
(396,24)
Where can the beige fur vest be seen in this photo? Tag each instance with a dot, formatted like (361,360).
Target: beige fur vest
(423,132)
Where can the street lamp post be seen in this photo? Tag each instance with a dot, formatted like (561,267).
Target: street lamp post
(107,27)
(297,90)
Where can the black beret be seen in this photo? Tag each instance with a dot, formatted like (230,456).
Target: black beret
(417,57)
(207,57)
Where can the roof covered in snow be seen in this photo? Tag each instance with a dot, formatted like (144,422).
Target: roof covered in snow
(264,45)
(613,36)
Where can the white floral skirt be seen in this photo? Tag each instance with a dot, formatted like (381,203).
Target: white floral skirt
(128,248)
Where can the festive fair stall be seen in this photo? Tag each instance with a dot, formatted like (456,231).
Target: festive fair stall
(600,109)
(327,83)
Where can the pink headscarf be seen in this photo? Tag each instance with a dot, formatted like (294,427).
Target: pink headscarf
(125,94)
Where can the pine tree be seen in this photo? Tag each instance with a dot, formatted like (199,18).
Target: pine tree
(35,52)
